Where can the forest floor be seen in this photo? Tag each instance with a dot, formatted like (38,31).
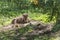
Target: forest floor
(43,17)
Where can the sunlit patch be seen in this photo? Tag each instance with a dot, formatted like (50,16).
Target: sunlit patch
(57,38)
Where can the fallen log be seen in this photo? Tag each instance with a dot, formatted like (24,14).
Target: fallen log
(47,27)
(13,27)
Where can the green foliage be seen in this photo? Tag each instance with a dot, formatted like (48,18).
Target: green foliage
(45,10)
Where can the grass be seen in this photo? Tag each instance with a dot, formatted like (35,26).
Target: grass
(7,16)
(6,19)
